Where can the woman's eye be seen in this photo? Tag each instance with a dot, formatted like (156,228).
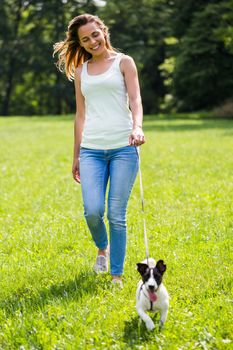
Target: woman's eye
(95,34)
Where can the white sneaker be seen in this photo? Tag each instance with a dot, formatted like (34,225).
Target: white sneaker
(101,264)
(117,282)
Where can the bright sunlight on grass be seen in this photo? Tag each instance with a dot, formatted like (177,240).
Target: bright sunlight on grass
(49,296)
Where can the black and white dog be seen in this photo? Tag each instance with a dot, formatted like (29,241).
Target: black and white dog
(151,294)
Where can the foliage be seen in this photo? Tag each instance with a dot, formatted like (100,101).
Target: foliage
(183,51)
(203,72)
(225,32)
(30,28)
(49,297)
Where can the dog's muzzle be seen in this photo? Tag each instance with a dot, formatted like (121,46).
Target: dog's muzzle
(151,288)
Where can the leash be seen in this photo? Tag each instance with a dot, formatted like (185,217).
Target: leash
(143,205)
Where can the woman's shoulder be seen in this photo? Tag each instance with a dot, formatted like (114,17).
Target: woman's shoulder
(78,70)
(127,62)
(126,58)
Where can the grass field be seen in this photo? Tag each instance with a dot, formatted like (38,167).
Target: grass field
(49,296)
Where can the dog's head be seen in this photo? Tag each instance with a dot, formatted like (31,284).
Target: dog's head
(152,277)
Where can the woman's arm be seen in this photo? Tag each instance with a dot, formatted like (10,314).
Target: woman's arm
(129,71)
(78,123)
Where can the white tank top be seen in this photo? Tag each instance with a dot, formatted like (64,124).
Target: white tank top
(108,119)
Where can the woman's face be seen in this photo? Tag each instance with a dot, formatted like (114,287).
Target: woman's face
(92,38)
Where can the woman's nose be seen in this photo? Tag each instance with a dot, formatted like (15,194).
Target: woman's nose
(92,40)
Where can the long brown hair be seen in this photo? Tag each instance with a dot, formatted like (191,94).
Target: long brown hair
(70,53)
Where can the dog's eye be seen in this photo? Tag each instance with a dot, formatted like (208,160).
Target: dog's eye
(146,275)
(157,275)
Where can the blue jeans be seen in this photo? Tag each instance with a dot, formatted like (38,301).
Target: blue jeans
(120,166)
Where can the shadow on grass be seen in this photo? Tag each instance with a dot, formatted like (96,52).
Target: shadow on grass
(157,123)
(167,125)
(25,300)
(135,332)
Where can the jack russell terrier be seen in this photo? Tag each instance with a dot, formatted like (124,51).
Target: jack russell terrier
(151,294)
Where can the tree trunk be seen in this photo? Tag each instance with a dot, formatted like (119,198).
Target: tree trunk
(12,61)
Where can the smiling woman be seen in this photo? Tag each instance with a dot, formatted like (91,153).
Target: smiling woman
(108,126)
(72,51)
(92,38)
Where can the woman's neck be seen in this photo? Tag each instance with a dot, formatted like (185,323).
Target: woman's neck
(102,57)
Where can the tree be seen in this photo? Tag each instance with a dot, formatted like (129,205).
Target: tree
(11,14)
(30,82)
(204,64)
(181,48)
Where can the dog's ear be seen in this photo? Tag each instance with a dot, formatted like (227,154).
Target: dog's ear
(161,267)
(142,268)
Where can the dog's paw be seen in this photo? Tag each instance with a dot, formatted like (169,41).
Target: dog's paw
(161,324)
(150,325)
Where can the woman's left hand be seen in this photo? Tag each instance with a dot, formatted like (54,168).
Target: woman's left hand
(137,137)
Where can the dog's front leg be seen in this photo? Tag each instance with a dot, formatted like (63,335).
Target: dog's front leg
(163,317)
(148,321)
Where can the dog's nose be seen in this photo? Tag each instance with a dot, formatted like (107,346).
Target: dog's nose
(151,287)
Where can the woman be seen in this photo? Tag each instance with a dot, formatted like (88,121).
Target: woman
(108,126)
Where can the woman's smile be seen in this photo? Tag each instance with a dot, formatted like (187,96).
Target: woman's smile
(91,37)
(96,47)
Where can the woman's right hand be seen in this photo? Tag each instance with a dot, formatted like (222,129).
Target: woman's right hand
(75,170)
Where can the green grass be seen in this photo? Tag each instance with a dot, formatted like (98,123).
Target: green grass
(49,296)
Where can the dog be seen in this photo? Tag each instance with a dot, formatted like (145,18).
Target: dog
(151,294)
